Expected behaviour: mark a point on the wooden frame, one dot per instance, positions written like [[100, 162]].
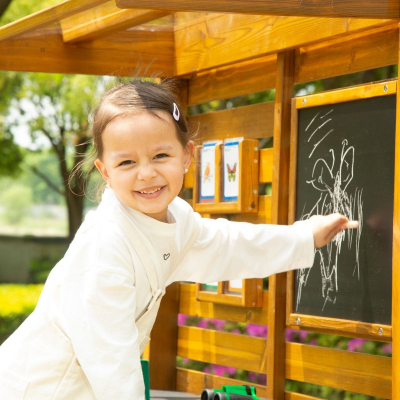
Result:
[[247, 179], [323, 324]]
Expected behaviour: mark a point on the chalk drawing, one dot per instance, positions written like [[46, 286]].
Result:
[[331, 178]]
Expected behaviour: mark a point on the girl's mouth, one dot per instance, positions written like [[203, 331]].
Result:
[[150, 193]]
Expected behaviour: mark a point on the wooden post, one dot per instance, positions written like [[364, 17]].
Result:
[[164, 336], [280, 197], [396, 258]]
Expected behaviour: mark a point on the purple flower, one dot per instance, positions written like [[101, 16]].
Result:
[[203, 323], [182, 319], [355, 344], [313, 342], [236, 331], [290, 333], [217, 323], [303, 336], [257, 330], [387, 348]]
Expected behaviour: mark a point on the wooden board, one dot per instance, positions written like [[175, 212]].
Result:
[[104, 20], [122, 54], [251, 122], [238, 351], [46, 17], [356, 372], [343, 295], [322, 8], [235, 80], [188, 305], [227, 39]]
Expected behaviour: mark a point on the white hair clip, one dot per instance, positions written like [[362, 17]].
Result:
[[176, 112]]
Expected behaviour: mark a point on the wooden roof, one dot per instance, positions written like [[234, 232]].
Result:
[[181, 38]]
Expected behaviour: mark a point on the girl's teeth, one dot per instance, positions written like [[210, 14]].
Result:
[[152, 191]]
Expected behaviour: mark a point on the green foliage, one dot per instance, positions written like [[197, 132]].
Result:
[[21, 8], [16, 201], [10, 155], [17, 302], [39, 268]]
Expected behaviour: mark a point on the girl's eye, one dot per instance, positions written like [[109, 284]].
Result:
[[127, 162], [162, 155]]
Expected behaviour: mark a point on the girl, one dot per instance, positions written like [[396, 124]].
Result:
[[97, 308]]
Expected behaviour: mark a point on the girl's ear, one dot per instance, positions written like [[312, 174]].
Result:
[[102, 169], [189, 152]]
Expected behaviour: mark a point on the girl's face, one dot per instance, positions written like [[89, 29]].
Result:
[[144, 162]]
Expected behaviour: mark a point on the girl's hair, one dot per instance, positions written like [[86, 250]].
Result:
[[130, 98]]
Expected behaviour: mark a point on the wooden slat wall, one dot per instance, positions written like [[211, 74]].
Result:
[[355, 372]]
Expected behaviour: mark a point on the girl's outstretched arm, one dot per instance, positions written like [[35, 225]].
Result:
[[326, 227]]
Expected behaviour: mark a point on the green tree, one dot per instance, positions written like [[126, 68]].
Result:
[[56, 107]]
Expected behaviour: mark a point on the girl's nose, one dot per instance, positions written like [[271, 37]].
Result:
[[146, 172]]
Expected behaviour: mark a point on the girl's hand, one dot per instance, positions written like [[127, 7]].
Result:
[[326, 227]]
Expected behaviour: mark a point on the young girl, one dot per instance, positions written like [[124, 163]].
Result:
[[97, 308]]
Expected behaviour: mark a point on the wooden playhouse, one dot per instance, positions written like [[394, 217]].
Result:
[[221, 49]]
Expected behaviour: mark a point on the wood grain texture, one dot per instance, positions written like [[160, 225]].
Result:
[[280, 188], [46, 17], [251, 122], [188, 305], [396, 259], [263, 215], [367, 50], [238, 351], [190, 381], [342, 8], [119, 54], [222, 40], [356, 372], [104, 20], [235, 80], [297, 396]]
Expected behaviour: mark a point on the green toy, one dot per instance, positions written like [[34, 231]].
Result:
[[237, 392], [146, 377]]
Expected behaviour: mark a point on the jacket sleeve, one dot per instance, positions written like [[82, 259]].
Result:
[[99, 306], [226, 250]]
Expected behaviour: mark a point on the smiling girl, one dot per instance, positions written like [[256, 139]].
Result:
[[97, 308]]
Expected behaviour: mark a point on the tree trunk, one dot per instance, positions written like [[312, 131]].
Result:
[[75, 212]]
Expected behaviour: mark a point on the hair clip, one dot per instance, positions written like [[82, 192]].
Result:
[[176, 112]]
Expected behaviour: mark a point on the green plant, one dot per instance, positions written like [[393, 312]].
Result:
[[16, 201], [39, 268]]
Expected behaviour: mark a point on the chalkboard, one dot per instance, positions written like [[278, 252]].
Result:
[[345, 163]]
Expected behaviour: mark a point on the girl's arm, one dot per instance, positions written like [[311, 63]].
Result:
[[98, 307], [224, 250]]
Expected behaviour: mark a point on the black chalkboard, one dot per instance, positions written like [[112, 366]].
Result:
[[345, 163]]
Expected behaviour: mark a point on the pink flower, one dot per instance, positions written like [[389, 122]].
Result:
[[257, 330], [387, 348], [203, 323], [355, 344], [182, 319], [236, 331]]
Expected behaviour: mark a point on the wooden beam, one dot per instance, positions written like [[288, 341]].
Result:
[[104, 20], [396, 256], [253, 122], [227, 39], [46, 17], [122, 54], [280, 202], [320, 8]]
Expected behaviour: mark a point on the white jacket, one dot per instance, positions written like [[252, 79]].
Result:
[[84, 339]]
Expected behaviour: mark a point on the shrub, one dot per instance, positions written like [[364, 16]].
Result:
[[17, 302]]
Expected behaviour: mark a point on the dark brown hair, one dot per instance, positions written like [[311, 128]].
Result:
[[130, 98]]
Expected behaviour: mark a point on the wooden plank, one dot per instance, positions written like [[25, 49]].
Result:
[[356, 372], [359, 52], [266, 163], [251, 122], [263, 215], [188, 305], [46, 17], [297, 396], [384, 88], [227, 39], [235, 80], [194, 382], [238, 351], [104, 20], [343, 8], [396, 259], [280, 201], [121, 54]]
